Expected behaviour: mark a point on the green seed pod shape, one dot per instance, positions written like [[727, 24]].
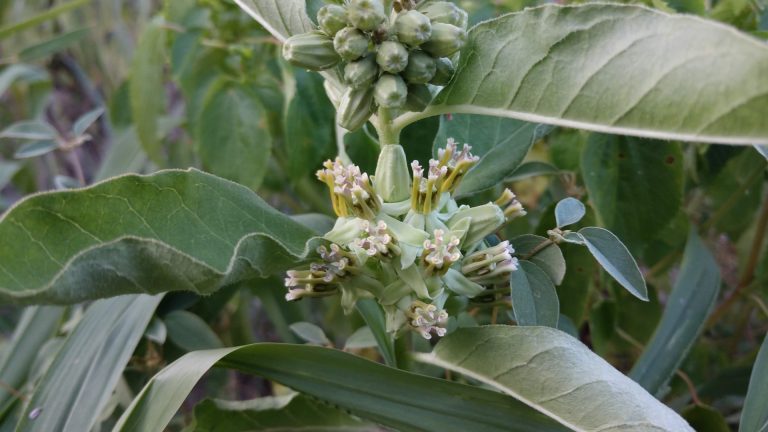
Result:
[[446, 13], [390, 91], [366, 15], [421, 68], [413, 28], [361, 73], [392, 180], [350, 43], [446, 39], [332, 18], [444, 72], [392, 57], [418, 98], [313, 51], [355, 108]]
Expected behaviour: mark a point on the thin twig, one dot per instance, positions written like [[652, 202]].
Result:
[[691, 387]]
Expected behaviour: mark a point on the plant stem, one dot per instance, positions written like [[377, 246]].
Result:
[[388, 132]]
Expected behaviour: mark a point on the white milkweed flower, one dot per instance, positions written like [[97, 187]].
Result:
[[440, 253], [490, 265], [427, 318]]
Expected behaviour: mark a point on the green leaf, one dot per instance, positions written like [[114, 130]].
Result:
[[20, 71], [361, 338], [569, 211], [7, 171], [555, 374], [86, 120], [35, 149], [292, 413], [614, 257], [147, 88], [754, 416], [125, 155], [534, 298], [542, 252], [704, 418], [56, 44], [571, 66], [81, 379], [374, 316], [310, 124], [693, 296], [532, 169], [40, 18], [232, 136], [31, 130], [500, 142], [613, 168], [763, 150], [398, 399], [189, 332], [37, 325], [310, 333], [177, 230], [282, 18]]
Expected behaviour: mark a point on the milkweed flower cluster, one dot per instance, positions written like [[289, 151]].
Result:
[[404, 241]]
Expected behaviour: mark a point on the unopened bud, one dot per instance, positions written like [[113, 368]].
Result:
[[512, 207], [390, 91], [392, 57], [355, 108], [446, 39], [444, 71], [361, 73], [446, 13], [421, 68], [350, 43], [313, 51], [413, 28], [366, 15], [392, 181], [332, 18], [483, 220], [418, 98]]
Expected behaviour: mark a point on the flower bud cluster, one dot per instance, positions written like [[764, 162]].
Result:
[[387, 58], [409, 255]]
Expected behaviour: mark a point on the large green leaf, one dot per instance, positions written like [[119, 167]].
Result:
[[614, 166], [692, 299], [754, 416], [292, 413], [233, 140], [282, 18], [395, 398], [36, 326], [174, 230], [555, 374], [621, 69], [82, 377], [501, 143]]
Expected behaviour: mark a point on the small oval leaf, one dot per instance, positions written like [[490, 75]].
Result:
[[310, 333], [569, 211], [32, 130], [615, 258], [86, 120], [35, 148], [534, 298], [190, 332]]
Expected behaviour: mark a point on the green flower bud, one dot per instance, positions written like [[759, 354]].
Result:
[[366, 15], [350, 43], [332, 18], [356, 108], [443, 72], [392, 57], [484, 220], [446, 39], [413, 28], [392, 181], [421, 68], [361, 73], [446, 13], [390, 91], [313, 51], [418, 98]]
